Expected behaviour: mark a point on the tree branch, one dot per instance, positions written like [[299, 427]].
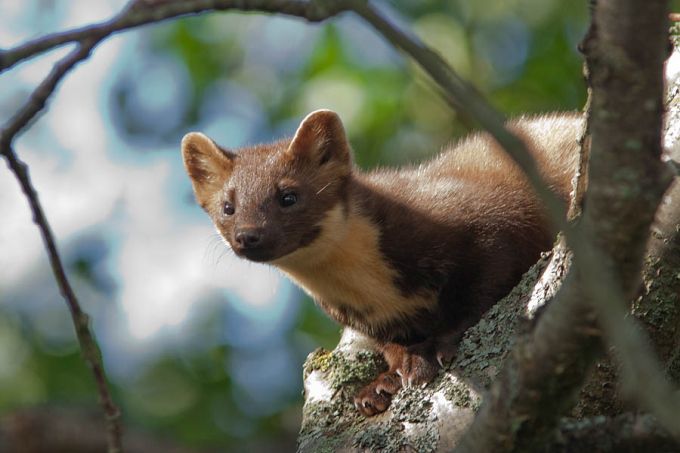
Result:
[[143, 12], [626, 432], [600, 286], [628, 178], [38, 98], [88, 344], [626, 205]]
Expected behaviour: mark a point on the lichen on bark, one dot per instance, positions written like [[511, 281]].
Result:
[[434, 418], [426, 419]]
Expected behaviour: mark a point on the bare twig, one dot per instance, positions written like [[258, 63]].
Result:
[[88, 344], [38, 98], [143, 12], [462, 96], [580, 181]]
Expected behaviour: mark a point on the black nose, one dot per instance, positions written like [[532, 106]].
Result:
[[249, 238]]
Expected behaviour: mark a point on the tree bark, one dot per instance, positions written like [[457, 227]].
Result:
[[436, 417]]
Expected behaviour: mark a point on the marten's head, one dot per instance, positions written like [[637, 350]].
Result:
[[271, 200]]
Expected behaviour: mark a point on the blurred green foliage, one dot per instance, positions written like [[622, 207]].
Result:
[[521, 54]]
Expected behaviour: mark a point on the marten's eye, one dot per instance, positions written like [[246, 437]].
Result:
[[288, 199], [228, 208]]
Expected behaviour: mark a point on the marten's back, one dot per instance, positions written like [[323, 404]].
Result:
[[485, 184], [466, 223], [551, 139]]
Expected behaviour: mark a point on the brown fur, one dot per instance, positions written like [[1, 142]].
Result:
[[411, 256]]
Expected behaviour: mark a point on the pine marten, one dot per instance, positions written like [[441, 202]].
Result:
[[410, 257]]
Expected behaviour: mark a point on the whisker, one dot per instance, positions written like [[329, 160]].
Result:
[[225, 251], [215, 250], [324, 187]]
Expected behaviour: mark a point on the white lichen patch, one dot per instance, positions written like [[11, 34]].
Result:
[[317, 389], [547, 285], [353, 342], [451, 420]]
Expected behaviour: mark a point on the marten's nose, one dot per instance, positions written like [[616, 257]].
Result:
[[249, 238]]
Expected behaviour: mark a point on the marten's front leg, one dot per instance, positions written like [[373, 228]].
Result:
[[415, 364]]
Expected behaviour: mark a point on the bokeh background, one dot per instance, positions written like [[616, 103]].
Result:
[[202, 348]]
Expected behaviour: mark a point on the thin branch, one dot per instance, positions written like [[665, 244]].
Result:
[[38, 98], [580, 181], [88, 344], [143, 12], [463, 97]]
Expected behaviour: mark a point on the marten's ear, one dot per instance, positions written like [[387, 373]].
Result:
[[208, 165], [321, 138]]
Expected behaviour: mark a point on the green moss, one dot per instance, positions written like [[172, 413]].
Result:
[[479, 355], [328, 426], [342, 370], [321, 359], [321, 428]]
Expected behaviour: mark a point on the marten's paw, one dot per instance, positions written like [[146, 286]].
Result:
[[408, 366], [447, 349], [418, 365], [375, 398]]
